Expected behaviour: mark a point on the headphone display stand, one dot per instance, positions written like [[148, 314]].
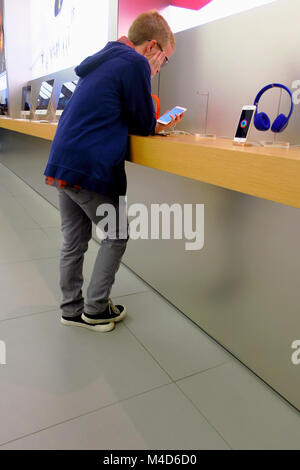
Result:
[[275, 144], [203, 98]]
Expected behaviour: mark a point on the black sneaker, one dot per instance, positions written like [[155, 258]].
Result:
[[78, 321], [112, 313]]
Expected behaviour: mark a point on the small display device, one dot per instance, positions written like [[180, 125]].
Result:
[[26, 99], [66, 93], [244, 125], [44, 97], [166, 118]]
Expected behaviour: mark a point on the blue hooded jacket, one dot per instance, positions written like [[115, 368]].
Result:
[[112, 99]]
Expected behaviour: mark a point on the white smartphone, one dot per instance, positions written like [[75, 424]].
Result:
[[245, 122], [166, 118]]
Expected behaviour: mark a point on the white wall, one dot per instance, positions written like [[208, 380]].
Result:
[[233, 59], [17, 50]]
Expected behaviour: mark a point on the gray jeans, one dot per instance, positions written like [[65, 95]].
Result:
[[78, 211]]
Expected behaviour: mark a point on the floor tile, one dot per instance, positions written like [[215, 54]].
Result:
[[4, 193], [246, 412], [55, 372], [15, 186], [12, 183], [40, 210], [174, 340], [24, 244], [12, 213], [29, 287], [162, 419], [35, 206]]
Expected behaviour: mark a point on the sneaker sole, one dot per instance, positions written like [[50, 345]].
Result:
[[98, 328], [98, 322]]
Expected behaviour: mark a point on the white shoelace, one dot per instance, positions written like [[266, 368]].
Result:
[[113, 308]]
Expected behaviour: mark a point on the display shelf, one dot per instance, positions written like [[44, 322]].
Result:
[[267, 173]]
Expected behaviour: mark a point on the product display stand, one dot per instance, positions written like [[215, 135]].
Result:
[[275, 144], [243, 144], [25, 115], [203, 108]]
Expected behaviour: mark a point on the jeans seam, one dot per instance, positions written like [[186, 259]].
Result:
[[82, 254]]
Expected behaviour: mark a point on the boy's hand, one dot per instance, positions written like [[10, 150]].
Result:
[[162, 127], [155, 61]]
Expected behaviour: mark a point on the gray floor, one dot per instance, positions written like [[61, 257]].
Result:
[[155, 382]]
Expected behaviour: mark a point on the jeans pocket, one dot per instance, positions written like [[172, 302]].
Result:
[[81, 196]]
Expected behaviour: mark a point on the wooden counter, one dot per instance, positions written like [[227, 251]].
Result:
[[268, 173], [33, 128]]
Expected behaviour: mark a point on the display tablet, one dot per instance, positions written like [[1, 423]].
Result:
[[44, 97], [66, 93], [26, 99]]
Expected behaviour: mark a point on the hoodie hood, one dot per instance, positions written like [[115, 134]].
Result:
[[111, 50]]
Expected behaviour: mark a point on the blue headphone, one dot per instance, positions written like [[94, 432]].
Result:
[[262, 121]]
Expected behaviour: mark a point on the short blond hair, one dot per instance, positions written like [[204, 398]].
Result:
[[151, 25]]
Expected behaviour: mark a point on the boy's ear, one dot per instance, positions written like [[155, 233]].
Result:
[[150, 45]]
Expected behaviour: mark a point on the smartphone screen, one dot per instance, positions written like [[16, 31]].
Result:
[[165, 119], [244, 124]]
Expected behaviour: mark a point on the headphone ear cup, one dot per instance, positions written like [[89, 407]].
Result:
[[262, 122], [280, 123]]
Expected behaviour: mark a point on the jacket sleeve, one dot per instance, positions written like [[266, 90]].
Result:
[[137, 100]]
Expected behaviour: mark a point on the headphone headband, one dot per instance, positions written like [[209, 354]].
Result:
[[275, 85]]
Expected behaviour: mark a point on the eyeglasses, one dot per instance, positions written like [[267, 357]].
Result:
[[166, 60]]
